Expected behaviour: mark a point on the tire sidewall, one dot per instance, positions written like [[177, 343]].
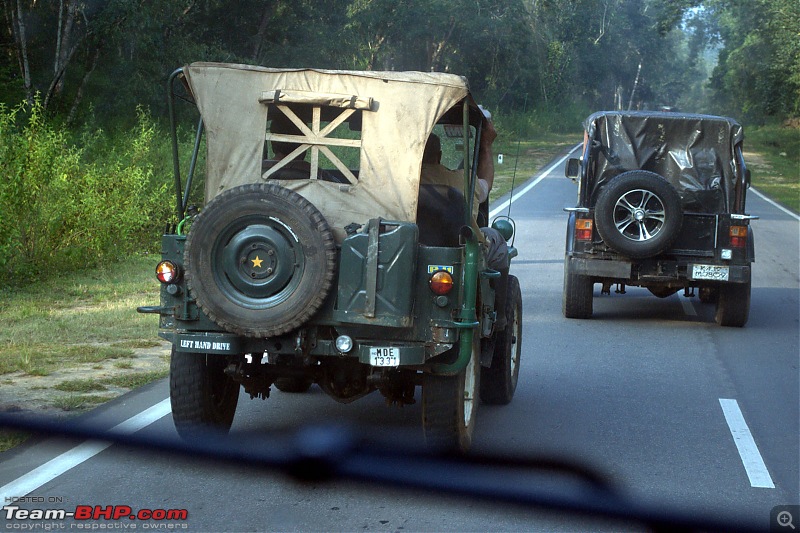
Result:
[[499, 381], [302, 233]]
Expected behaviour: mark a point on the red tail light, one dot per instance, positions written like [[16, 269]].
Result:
[[583, 229], [738, 236], [441, 282]]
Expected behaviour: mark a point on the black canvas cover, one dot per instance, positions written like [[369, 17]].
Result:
[[697, 154]]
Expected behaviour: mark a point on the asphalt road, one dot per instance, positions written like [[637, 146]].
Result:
[[671, 408]]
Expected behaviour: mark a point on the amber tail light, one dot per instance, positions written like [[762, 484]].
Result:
[[168, 272], [738, 235], [441, 282], [583, 229]]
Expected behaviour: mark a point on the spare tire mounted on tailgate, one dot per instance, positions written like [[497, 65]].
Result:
[[638, 214], [260, 260]]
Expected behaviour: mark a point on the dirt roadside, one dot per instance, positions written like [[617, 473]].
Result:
[[39, 395]]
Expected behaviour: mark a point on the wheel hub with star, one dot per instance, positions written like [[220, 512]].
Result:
[[259, 261]]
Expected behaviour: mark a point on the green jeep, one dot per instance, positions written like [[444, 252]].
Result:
[[318, 257]]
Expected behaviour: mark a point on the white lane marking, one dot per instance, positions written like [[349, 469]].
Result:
[[772, 202], [688, 308], [37, 477], [748, 451], [494, 212]]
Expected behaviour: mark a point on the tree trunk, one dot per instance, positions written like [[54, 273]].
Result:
[[58, 34], [374, 49], [63, 49], [18, 26], [635, 85], [79, 96], [436, 49], [58, 76], [262, 30]]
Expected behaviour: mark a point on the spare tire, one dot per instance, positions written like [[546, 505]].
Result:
[[260, 260], [662, 292], [638, 214]]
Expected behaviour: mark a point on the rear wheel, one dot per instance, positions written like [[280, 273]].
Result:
[[202, 397], [449, 404], [576, 298], [499, 381], [733, 304]]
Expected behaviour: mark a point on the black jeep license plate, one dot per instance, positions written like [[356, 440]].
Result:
[[712, 272]]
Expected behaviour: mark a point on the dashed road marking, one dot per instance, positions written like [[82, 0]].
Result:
[[748, 451]]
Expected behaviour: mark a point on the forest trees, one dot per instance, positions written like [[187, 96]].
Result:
[[105, 57], [82, 83], [58, 44], [758, 72]]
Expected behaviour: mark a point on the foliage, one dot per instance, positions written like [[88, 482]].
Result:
[[776, 168], [535, 123], [85, 168], [86, 61], [758, 71], [61, 211]]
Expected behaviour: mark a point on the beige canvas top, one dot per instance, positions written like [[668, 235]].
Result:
[[398, 112]]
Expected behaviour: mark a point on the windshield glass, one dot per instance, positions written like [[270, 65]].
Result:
[[226, 215]]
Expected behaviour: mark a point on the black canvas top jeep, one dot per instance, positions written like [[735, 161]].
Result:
[[318, 257], [661, 205]]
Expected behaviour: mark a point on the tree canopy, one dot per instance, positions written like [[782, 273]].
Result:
[[96, 59]]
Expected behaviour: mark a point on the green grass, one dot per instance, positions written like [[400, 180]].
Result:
[[136, 379], [80, 385], [76, 402], [129, 381], [86, 317], [776, 168], [522, 159], [9, 439]]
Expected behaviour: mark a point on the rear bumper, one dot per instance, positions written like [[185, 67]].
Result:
[[660, 271], [220, 343]]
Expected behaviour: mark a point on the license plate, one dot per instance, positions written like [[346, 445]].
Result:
[[384, 356], [712, 272]]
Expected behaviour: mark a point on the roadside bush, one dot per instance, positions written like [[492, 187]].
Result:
[[38, 169], [62, 212], [534, 123]]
